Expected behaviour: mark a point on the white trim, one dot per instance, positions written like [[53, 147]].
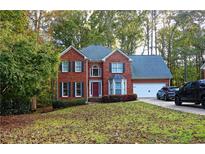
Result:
[[80, 65], [62, 89], [62, 70], [116, 50], [99, 71], [68, 49], [117, 64], [90, 84], [123, 87]]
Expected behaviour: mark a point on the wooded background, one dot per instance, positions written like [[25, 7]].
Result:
[[30, 42]]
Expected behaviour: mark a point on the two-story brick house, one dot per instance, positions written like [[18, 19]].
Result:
[[96, 71]]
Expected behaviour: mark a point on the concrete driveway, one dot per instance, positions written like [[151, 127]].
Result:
[[186, 107]]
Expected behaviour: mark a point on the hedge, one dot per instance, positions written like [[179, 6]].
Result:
[[68, 103], [118, 98], [18, 106]]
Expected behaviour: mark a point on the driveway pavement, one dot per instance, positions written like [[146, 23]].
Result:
[[186, 107]]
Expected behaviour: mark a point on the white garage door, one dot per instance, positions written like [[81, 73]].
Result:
[[147, 89]]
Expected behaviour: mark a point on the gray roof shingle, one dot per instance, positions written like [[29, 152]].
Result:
[[149, 67], [96, 52]]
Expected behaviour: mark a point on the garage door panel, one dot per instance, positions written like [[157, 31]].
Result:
[[147, 89]]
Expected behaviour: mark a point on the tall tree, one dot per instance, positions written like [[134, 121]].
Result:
[[70, 28], [129, 30]]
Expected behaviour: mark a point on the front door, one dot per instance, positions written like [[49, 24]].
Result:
[[95, 89]]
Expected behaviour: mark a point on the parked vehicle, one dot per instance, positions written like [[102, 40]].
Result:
[[167, 93], [191, 92]]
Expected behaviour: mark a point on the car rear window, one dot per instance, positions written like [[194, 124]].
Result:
[[173, 88]]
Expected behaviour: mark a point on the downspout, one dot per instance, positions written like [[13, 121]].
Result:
[[87, 81]]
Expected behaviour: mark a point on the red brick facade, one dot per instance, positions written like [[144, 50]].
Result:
[[72, 55], [84, 77], [117, 57]]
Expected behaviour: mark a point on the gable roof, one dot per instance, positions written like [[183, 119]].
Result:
[[203, 67], [68, 49], [96, 52], [117, 50], [149, 67]]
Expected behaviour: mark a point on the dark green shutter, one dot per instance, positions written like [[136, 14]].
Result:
[[68, 66], [82, 89], [110, 67], [61, 89], [68, 88], [74, 89], [82, 65], [73, 66], [123, 67]]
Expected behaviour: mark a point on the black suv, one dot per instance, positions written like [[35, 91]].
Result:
[[191, 92]]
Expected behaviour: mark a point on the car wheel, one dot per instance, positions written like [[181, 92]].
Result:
[[158, 97], [177, 101]]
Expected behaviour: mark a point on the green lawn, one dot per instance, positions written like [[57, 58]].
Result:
[[133, 122]]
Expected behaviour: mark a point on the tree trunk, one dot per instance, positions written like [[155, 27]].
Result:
[[33, 103]]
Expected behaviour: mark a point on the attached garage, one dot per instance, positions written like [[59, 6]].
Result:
[[149, 74], [147, 89]]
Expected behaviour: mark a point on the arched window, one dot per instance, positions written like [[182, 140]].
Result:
[[95, 71]]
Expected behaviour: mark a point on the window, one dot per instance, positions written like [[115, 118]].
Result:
[[95, 71], [117, 67], [187, 86], [78, 89], [78, 66], [117, 87], [64, 89], [64, 66]]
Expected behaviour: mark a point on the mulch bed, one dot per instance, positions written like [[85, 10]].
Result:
[[16, 121]]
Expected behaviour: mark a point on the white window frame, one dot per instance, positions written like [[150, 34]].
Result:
[[123, 87], [99, 71], [62, 90], [90, 85], [63, 65], [76, 95], [77, 64], [117, 67]]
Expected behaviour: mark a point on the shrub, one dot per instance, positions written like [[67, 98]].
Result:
[[17, 106], [68, 103], [118, 98]]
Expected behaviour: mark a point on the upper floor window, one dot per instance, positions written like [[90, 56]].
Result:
[[78, 66], [65, 66], [117, 67], [95, 71]]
